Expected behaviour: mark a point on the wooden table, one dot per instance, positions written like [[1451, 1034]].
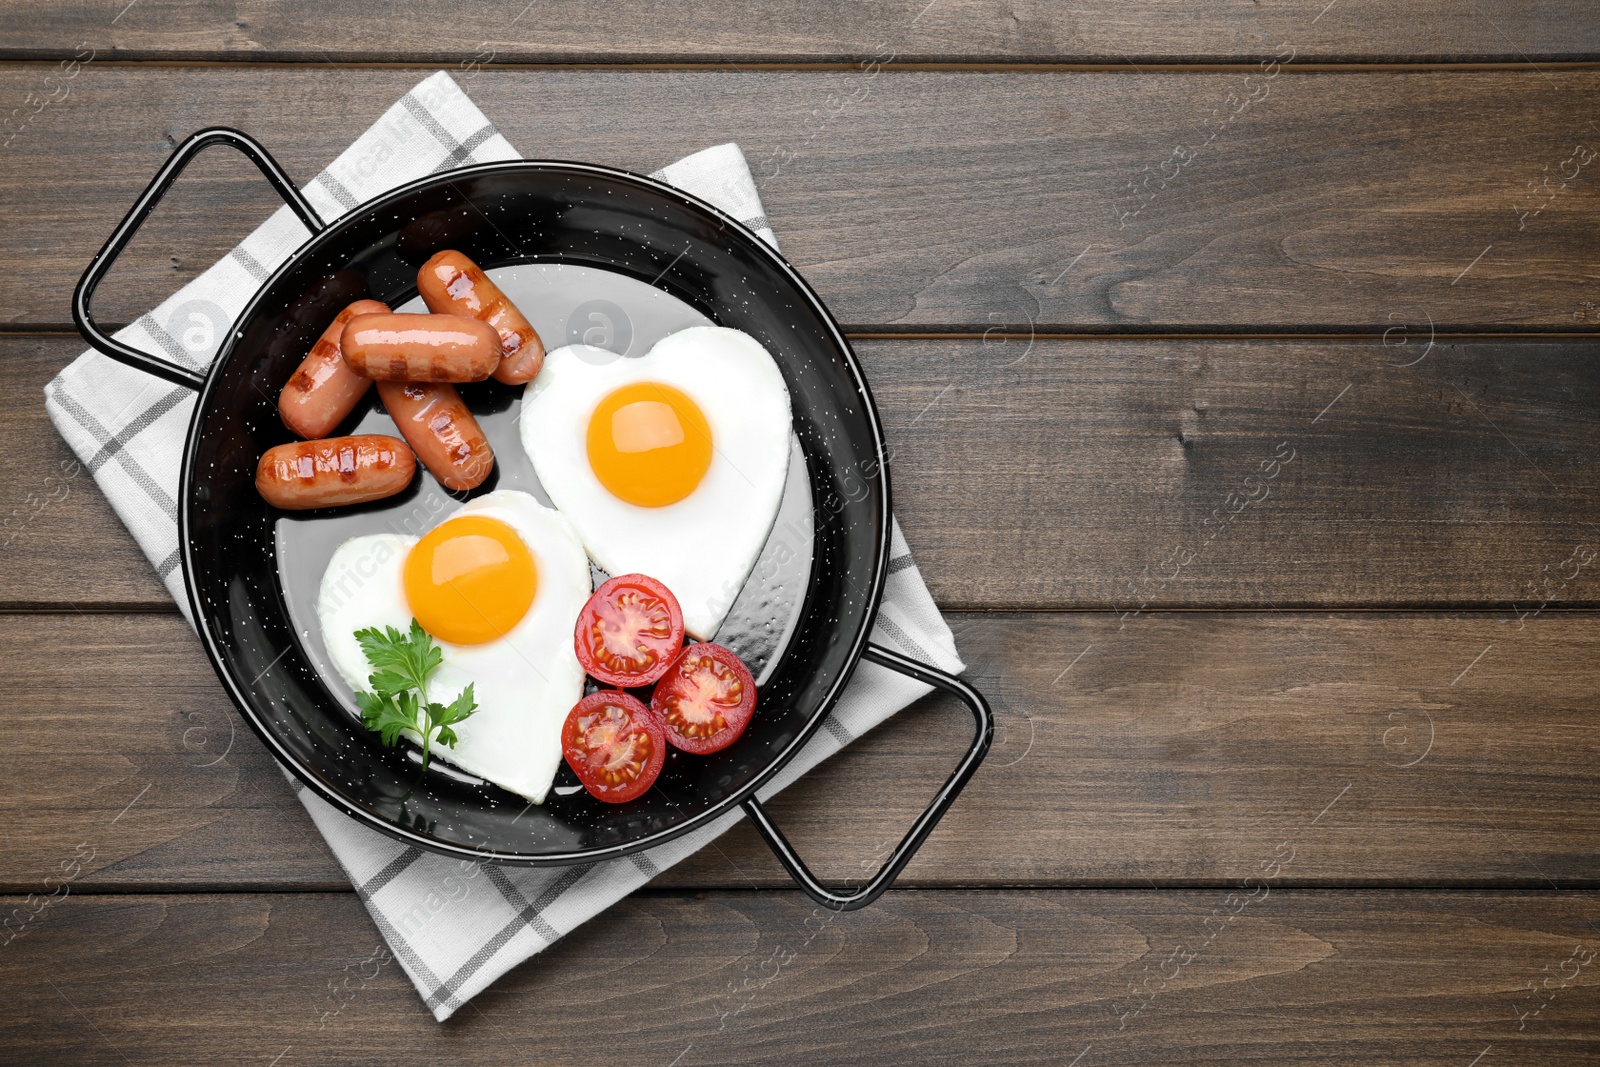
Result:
[[1238, 361]]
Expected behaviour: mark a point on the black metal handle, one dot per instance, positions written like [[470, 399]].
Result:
[[101, 264], [984, 733]]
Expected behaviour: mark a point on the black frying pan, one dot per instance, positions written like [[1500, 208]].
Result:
[[500, 214]]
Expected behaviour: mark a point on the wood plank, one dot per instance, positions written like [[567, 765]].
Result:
[[1104, 474], [1118, 474], [914, 31], [60, 541], [933, 200], [1168, 749], [1334, 977]]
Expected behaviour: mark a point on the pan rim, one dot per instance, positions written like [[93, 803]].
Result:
[[325, 790]]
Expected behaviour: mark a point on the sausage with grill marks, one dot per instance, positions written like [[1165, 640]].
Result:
[[450, 283], [333, 471], [420, 348], [324, 389], [446, 437]]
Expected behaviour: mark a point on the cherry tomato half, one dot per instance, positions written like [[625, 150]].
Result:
[[614, 744], [705, 699], [629, 631]]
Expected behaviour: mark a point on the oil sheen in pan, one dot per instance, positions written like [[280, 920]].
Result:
[[621, 318]]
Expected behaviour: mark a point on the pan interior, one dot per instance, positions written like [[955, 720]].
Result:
[[595, 244], [619, 318]]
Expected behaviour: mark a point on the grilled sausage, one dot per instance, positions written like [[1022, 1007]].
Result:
[[451, 284], [324, 390], [443, 432], [334, 471], [420, 348]]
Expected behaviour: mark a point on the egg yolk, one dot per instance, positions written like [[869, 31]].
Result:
[[470, 580], [649, 444]]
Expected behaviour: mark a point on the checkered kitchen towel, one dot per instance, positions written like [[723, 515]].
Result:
[[455, 926]]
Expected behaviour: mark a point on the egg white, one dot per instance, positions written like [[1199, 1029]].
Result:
[[524, 683], [704, 546]]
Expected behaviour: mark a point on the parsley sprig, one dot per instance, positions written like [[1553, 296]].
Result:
[[403, 663]]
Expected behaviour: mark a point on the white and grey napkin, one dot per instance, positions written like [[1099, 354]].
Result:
[[454, 925]]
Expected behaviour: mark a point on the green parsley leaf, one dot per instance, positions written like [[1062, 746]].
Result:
[[402, 665], [445, 717], [400, 662], [388, 715]]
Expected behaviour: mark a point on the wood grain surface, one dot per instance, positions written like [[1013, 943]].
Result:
[[790, 31], [1132, 977], [1187, 323], [1161, 749], [1104, 475], [931, 201]]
